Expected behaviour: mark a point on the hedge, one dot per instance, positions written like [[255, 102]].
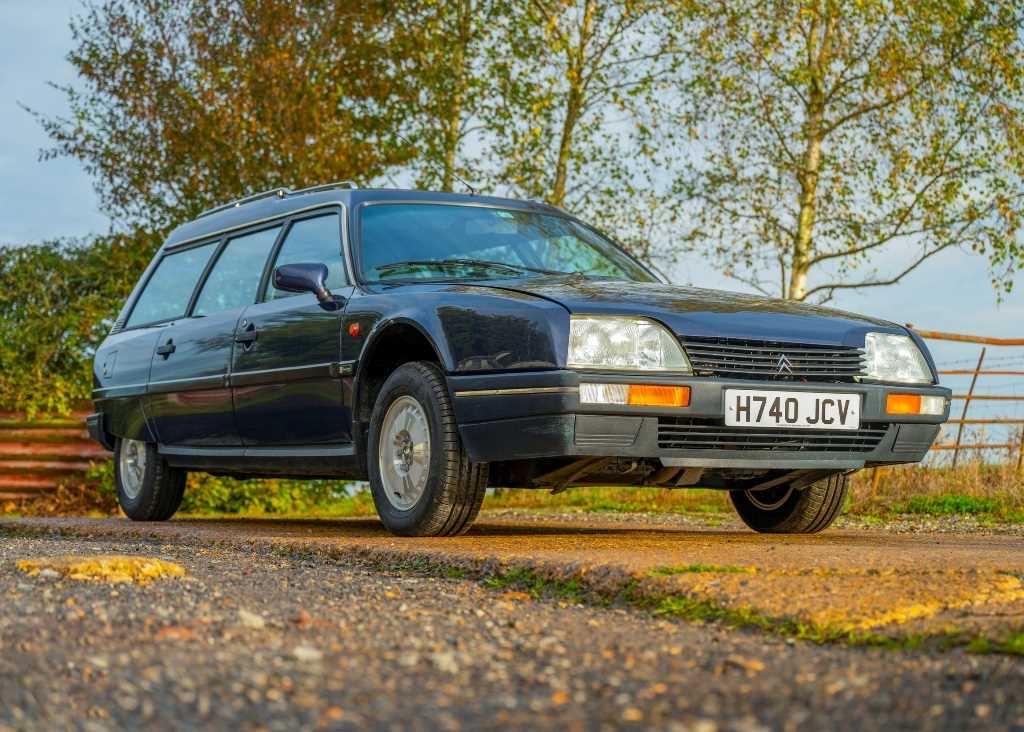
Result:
[[59, 300]]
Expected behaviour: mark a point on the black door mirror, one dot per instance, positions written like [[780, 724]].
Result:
[[304, 277]]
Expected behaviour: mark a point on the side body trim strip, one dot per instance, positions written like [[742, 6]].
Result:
[[521, 390], [283, 452]]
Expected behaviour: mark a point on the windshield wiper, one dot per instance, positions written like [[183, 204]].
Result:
[[448, 263]]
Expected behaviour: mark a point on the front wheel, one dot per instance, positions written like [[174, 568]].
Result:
[[148, 489], [784, 509], [422, 480]]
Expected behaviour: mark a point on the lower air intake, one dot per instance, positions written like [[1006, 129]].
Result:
[[678, 433]]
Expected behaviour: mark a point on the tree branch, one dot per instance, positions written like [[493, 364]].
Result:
[[928, 254]]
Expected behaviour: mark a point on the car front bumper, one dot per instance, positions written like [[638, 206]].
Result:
[[530, 415]]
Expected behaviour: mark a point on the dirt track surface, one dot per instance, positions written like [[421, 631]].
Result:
[[255, 639], [843, 580]]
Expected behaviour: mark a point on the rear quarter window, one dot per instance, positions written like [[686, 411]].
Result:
[[168, 291]]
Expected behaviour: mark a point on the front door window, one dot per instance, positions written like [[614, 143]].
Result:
[[315, 240]]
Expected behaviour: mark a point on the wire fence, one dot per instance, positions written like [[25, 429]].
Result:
[[1008, 443]]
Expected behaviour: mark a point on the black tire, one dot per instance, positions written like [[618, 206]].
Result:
[[455, 486], [161, 490], [782, 510]]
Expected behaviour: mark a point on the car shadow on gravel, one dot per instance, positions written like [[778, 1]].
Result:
[[372, 528]]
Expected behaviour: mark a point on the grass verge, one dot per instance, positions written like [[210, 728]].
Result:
[[985, 493], [700, 569], [566, 585]]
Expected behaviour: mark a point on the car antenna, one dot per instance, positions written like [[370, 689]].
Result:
[[463, 181]]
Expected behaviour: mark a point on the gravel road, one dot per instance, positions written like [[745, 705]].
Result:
[[253, 640]]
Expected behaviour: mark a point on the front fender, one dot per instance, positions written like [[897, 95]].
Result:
[[471, 328]]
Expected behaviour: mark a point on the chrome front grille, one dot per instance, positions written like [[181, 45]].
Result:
[[681, 433], [773, 360]]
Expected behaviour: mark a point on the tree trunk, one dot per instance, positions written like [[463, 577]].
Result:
[[802, 243], [576, 58], [810, 168], [452, 122], [557, 197]]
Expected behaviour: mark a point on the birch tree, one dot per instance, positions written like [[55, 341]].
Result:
[[580, 84], [840, 144], [446, 65]]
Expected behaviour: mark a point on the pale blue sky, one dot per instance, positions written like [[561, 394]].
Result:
[[44, 200]]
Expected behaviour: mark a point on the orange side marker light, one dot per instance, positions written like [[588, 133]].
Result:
[[903, 404], [655, 395]]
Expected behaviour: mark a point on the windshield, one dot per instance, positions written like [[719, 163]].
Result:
[[437, 241]]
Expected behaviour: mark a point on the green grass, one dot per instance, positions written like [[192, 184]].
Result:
[[688, 608], [695, 609], [989, 493], [614, 500], [948, 505], [535, 585], [1013, 645], [699, 569], [356, 505]]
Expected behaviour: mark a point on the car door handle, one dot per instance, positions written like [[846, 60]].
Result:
[[248, 336], [166, 349]]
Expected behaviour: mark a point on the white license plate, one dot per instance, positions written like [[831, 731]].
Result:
[[802, 410]]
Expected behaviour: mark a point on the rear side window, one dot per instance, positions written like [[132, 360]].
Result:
[[168, 291], [235, 278], [316, 240]]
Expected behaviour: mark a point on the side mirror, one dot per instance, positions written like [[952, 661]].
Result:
[[304, 277]]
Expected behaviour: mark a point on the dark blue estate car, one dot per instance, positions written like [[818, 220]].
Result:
[[436, 344]]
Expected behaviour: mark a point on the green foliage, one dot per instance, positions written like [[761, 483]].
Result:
[[948, 505], [207, 494], [447, 62], [580, 117], [1012, 645], [210, 494], [59, 301], [100, 477], [834, 133], [803, 140], [181, 105]]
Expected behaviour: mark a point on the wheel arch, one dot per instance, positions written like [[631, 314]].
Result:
[[390, 345]]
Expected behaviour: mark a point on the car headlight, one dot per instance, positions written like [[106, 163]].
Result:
[[627, 343], [895, 358]]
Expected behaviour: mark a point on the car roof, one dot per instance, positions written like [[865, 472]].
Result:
[[282, 202]]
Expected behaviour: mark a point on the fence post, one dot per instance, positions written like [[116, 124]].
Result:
[[967, 403], [876, 478], [1020, 450]]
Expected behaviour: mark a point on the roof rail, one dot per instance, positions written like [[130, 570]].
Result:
[[279, 193], [326, 187]]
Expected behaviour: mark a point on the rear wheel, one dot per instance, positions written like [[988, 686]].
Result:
[[422, 480], [784, 509], [148, 489]]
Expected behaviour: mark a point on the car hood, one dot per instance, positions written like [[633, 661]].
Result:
[[696, 312]]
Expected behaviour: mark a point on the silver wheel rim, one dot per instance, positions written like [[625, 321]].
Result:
[[762, 499], [132, 467], [404, 452]]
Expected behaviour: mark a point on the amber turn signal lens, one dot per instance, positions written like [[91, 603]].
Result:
[[903, 404], [651, 395]]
